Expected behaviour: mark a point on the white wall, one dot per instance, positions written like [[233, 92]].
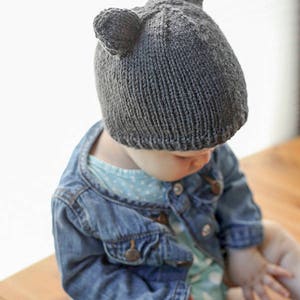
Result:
[[49, 100], [265, 38]]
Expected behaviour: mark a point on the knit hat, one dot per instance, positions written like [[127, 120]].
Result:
[[167, 78]]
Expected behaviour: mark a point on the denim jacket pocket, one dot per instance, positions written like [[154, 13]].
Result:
[[133, 250]]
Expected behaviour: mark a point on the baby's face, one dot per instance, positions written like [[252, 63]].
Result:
[[169, 165]]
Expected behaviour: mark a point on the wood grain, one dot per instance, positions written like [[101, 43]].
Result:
[[273, 175], [38, 282]]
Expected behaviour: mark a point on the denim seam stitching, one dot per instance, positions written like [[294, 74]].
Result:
[[136, 236], [60, 193]]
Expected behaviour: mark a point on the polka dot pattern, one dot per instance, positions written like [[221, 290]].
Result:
[[204, 276], [127, 183]]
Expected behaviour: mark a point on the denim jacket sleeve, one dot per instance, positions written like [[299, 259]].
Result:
[[84, 268], [237, 213]]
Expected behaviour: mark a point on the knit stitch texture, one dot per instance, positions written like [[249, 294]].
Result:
[[167, 78]]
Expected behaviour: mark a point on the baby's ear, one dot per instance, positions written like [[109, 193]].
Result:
[[197, 2], [117, 29]]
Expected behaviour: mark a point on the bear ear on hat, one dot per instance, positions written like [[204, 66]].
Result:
[[117, 29], [197, 2]]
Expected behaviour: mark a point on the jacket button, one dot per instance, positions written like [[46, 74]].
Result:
[[184, 263], [162, 219], [206, 230], [216, 187], [177, 188], [132, 254]]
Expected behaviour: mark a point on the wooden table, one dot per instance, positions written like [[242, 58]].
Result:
[[273, 175]]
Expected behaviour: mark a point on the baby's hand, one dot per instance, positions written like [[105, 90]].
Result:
[[248, 269]]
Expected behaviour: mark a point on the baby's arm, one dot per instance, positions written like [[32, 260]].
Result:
[[279, 247], [241, 227], [248, 269]]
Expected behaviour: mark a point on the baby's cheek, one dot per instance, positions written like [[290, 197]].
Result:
[[197, 165], [167, 172]]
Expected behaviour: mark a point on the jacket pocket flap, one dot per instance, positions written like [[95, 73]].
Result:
[[132, 250]]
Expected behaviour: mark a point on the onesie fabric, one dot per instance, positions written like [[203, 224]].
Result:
[[205, 275]]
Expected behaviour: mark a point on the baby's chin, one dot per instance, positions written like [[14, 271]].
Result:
[[173, 176], [170, 177], [180, 177]]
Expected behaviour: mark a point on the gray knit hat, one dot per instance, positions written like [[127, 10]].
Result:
[[167, 78]]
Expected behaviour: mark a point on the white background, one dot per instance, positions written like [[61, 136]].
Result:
[[48, 99]]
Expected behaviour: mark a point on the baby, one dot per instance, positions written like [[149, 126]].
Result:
[[152, 204]]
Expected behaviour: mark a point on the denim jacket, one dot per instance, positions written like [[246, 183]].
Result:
[[109, 247]]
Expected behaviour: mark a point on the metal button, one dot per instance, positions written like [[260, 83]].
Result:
[[177, 188], [206, 230], [184, 263], [216, 187], [132, 254], [163, 219]]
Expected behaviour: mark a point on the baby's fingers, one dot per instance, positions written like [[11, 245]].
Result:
[[261, 292], [278, 271], [275, 285], [248, 293]]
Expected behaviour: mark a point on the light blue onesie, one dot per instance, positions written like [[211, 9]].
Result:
[[205, 275]]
